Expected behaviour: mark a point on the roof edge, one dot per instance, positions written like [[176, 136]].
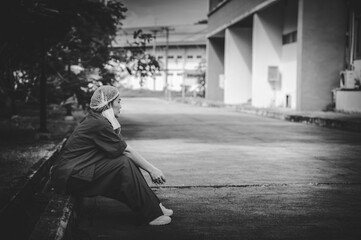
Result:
[[241, 17]]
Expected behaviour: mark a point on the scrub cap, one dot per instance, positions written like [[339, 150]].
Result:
[[102, 96]]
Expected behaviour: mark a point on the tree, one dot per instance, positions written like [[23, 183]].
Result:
[[146, 66], [139, 62], [24, 42], [87, 45], [50, 35]]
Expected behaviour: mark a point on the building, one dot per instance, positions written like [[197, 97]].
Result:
[[284, 53], [182, 55]]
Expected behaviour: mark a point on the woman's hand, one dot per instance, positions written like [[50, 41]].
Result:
[[157, 176]]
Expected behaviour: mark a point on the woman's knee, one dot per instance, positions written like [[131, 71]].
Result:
[[123, 164], [125, 160]]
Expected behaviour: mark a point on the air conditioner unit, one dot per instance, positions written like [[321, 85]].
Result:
[[347, 79], [273, 74]]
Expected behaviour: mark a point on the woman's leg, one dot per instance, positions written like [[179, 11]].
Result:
[[120, 179]]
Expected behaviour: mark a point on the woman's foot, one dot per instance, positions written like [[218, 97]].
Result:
[[166, 211], [162, 220]]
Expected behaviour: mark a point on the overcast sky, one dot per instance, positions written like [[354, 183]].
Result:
[[143, 13]]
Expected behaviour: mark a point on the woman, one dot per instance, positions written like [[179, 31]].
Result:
[[97, 161]]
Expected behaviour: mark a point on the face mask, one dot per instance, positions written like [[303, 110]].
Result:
[[109, 114]]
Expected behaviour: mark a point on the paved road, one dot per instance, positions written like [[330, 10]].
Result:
[[237, 176]]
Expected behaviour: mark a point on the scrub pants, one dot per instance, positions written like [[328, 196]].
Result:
[[122, 180]]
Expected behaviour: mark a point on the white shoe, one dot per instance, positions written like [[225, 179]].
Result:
[[162, 220], [166, 211]]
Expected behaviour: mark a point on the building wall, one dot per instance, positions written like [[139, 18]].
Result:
[[238, 65], [215, 69], [357, 67], [290, 16], [267, 49], [180, 60], [288, 76], [309, 64], [348, 101], [214, 3], [321, 44], [229, 11], [289, 58]]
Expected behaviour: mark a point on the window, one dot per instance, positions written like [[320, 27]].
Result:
[[289, 38], [160, 57], [199, 56], [190, 57], [179, 57], [170, 57], [192, 75]]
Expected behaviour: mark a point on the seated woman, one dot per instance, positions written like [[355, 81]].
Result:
[[96, 161]]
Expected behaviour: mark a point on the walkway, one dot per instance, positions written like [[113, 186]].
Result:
[[232, 175]]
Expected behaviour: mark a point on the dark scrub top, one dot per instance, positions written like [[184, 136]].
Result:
[[92, 141]]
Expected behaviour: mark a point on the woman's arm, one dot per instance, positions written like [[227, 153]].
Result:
[[156, 174]]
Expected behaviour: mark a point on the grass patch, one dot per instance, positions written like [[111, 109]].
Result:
[[19, 147], [15, 163]]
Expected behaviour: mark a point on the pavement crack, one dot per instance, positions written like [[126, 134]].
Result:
[[258, 185]]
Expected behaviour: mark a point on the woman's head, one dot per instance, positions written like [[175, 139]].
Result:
[[105, 97]]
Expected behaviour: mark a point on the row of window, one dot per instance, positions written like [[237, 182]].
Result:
[[289, 38], [179, 74], [180, 57], [169, 74]]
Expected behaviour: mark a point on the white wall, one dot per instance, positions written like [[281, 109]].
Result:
[[288, 75], [215, 69], [176, 68], [357, 71], [289, 57], [159, 83], [238, 65], [348, 101], [267, 48]]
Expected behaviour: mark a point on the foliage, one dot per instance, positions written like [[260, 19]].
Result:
[[141, 38], [50, 37], [145, 65], [140, 63]]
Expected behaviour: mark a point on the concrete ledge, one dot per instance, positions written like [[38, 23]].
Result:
[[57, 221], [348, 101], [337, 120], [23, 210]]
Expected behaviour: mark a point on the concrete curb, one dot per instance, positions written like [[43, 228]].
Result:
[[57, 220], [20, 216], [349, 122]]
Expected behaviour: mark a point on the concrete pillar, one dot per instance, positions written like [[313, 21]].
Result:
[[321, 47], [215, 69], [288, 93], [267, 49], [238, 65]]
